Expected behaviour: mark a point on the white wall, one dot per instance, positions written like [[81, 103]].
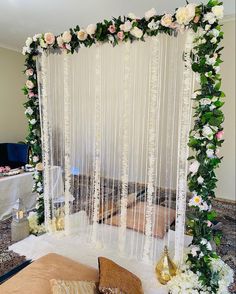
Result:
[[226, 172], [13, 125]]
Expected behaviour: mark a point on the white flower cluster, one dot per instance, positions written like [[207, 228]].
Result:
[[33, 224], [217, 12], [187, 282]]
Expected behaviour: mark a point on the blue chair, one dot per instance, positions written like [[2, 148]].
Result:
[[14, 154]]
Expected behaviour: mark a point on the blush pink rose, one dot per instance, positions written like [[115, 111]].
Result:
[[7, 169], [209, 223], [29, 72], [112, 29], [196, 19], [120, 35], [220, 135], [31, 94], [49, 38]]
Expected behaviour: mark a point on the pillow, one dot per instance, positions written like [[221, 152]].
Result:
[[73, 287], [110, 207], [115, 279], [136, 219]]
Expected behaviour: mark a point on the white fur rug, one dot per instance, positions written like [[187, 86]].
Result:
[[77, 248]]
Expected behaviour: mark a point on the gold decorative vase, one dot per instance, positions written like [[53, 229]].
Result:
[[165, 268]]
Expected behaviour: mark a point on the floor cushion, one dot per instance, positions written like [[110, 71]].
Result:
[[136, 218], [36, 277]]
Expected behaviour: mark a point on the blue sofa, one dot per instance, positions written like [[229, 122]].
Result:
[[14, 154]]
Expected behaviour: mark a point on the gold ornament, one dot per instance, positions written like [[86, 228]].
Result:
[[165, 268]]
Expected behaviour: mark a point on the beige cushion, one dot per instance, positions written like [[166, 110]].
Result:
[[35, 278], [136, 218], [115, 279], [73, 287]]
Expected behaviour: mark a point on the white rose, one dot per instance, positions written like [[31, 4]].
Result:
[[210, 17], [49, 38], [166, 20], [32, 121], [209, 247], [37, 36], [82, 35], [28, 41], [136, 32], [154, 25], [212, 107], [29, 84], [60, 41], [29, 111], [194, 166], [35, 158], [194, 250], [39, 189], [207, 27], [150, 13], [214, 32], [126, 27], [218, 11], [185, 14], [132, 15], [111, 39], [211, 60], [66, 37], [91, 29], [205, 101], [207, 132], [200, 180], [210, 153], [214, 40]]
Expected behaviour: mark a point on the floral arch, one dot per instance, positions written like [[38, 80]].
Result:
[[205, 137]]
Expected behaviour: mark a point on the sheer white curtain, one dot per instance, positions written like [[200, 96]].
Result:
[[115, 125]]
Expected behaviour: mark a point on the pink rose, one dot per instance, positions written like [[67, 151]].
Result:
[[31, 94], [29, 72], [1, 169], [209, 223], [174, 25], [112, 29], [120, 35], [220, 135], [7, 169], [196, 19], [49, 38]]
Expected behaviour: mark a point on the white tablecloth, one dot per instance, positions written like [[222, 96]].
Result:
[[14, 187]]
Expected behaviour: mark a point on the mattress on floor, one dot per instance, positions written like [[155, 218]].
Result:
[[35, 277]]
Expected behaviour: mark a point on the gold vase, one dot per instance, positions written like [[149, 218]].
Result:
[[165, 268]]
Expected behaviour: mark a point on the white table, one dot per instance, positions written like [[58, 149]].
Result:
[[14, 187]]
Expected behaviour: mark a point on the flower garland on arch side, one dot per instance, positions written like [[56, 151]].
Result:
[[206, 136]]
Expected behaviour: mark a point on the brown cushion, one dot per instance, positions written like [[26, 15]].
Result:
[[36, 277], [136, 218], [110, 207], [73, 287], [115, 279]]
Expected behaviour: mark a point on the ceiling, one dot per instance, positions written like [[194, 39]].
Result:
[[22, 18]]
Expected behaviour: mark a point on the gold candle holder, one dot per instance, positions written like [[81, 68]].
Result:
[[165, 268]]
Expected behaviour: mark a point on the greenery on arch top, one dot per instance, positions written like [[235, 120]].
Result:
[[206, 137]]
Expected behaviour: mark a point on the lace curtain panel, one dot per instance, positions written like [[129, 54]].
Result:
[[115, 124]]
